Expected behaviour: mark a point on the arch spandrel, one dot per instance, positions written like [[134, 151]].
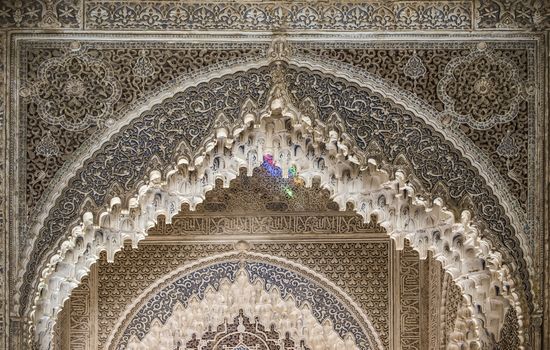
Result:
[[95, 174]]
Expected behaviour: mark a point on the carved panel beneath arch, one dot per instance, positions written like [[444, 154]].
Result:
[[361, 269], [74, 329], [509, 338]]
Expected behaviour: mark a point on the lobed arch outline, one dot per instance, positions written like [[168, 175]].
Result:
[[297, 139], [279, 51], [241, 253]]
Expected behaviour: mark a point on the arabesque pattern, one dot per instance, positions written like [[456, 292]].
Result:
[[319, 147], [273, 295]]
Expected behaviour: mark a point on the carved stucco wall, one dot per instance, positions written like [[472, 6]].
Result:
[[353, 266], [36, 93], [455, 192], [363, 269], [356, 267], [264, 15], [136, 269], [131, 68], [253, 207]]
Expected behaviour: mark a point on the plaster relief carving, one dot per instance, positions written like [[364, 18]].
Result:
[[296, 302], [481, 89], [317, 150], [348, 265], [259, 15], [414, 68], [252, 309], [75, 91], [447, 168]]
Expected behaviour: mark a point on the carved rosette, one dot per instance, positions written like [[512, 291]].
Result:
[[75, 91], [481, 90]]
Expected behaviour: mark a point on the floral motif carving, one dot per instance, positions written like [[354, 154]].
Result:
[[414, 68], [513, 14], [481, 89], [75, 91], [261, 15], [47, 146], [507, 147], [143, 67], [40, 13]]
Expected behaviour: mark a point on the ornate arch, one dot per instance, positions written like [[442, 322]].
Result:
[[218, 282], [281, 51], [302, 132]]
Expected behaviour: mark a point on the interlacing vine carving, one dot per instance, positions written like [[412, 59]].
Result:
[[48, 152], [302, 308], [314, 139], [385, 60]]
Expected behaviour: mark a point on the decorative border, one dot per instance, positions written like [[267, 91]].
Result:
[[4, 232], [279, 15], [41, 14], [376, 15]]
